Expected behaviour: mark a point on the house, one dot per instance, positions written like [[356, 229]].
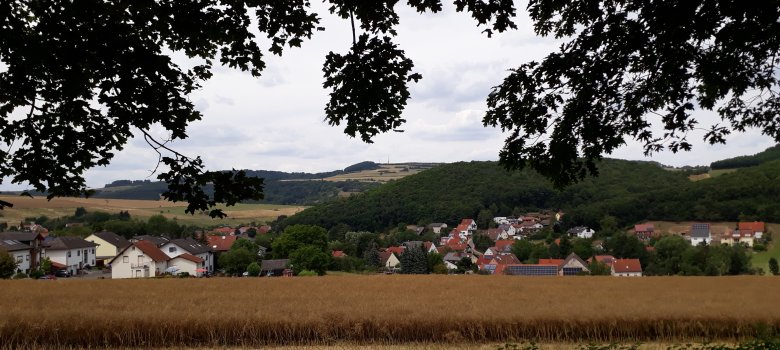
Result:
[[140, 259], [604, 259], [509, 229], [757, 227], [644, 231], [220, 244], [436, 227], [20, 252], [187, 263], [504, 245], [581, 232], [398, 250], [469, 224], [275, 268], [32, 239], [501, 220], [700, 233], [429, 247], [627, 268], [75, 253], [191, 246], [737, 236], [496, 234], [389, 260], [572, 265], [109, 244]]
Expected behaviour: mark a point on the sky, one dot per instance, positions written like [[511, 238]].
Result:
[[276, 122]]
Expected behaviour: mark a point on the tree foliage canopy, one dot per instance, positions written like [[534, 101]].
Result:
[[77, 79]]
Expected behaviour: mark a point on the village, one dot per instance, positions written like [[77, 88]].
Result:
[[109, 255]]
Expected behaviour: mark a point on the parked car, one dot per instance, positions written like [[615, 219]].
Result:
[[48, 277], [62, 273]]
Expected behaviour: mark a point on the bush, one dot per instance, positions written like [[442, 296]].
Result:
[[20, 275], [307, 273], [36, 274], [253, 269], [184, 274], [758, 247]]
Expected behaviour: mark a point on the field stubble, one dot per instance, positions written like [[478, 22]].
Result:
[[384, 310]]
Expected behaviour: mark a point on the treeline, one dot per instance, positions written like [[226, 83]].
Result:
[[279, 189], [308, 192], [628, 190], [83, 223], [770, 154]]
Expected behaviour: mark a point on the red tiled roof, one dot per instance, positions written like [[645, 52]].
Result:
[[190, 257], [151, 250], [221, 243], [428, 245], [396, 250], [504, 245], [644, 228], [756, 226], [263, 229], [384, 256], [338, 254], [442, 250], [457, 246], [466, 222], [556, 262], [462, 228], [57, 265], [503, 259], [627, 265]]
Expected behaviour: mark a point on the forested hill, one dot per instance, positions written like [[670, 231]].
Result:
[[768, 155], [631, 191]]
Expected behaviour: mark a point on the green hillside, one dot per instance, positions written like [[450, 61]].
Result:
[[768, 155], [631, 191]]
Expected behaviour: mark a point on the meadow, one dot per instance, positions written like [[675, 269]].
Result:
[[385, 310], [241, 213]]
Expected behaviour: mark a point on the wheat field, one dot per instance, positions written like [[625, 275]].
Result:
[[384, 310]]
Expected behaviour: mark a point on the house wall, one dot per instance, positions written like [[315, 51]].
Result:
[[104, 249], [697, 240], [123, 268], [392, 262], [628, 274], [185, 265], [22, 260]]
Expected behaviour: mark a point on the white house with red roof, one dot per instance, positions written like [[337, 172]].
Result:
[[138, 260], [389, 260], [627, 268], [758, 228], [188, 263]]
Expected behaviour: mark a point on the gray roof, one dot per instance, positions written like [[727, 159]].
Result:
[[156, 240], [438, 224], [700, 230], [114, 239], [12, 246], [277, 264], [191, 246], [413, 244], [453, 256], [67, 242], [19, 236]]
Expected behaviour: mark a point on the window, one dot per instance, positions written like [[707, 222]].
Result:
[[27, 257], [19, 259], [171, 249], [125, 259], [93, 250], [69, 254]]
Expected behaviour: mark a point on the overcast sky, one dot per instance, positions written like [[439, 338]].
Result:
[[275, 122]]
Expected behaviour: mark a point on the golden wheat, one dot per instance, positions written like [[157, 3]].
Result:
[[383, 310]]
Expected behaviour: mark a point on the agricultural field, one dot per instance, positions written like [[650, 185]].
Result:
[[711, 174], [386, 172], [58, 207], [381, 310]]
